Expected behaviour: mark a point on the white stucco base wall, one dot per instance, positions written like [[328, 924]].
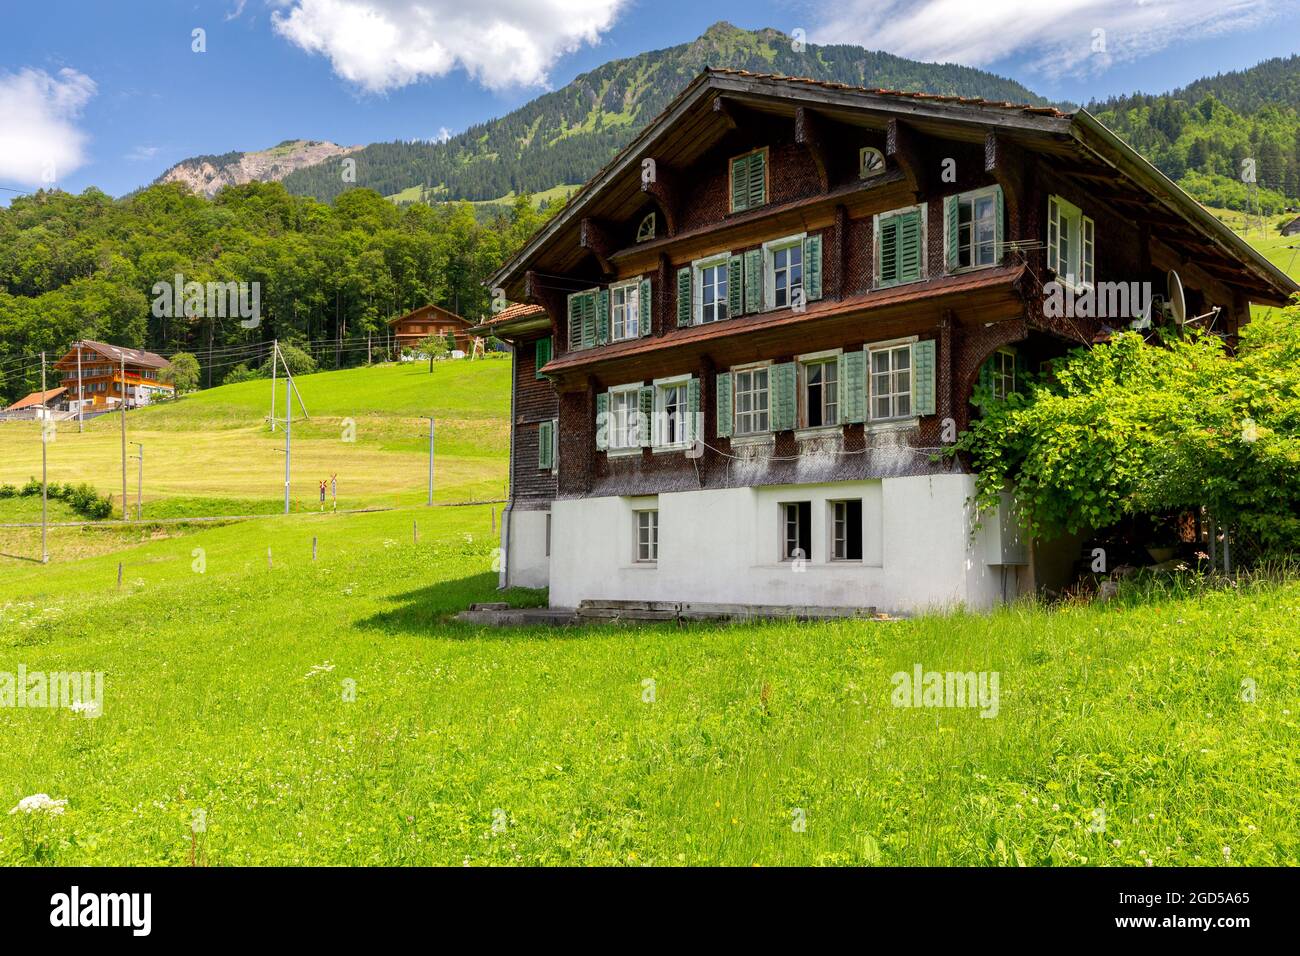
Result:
[[723, 546], [523, 535]]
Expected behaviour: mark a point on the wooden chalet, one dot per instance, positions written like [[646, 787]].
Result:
[[743, 344], [98, 376], [409, 330]]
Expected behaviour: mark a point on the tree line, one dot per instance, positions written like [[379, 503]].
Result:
[[86, 267]]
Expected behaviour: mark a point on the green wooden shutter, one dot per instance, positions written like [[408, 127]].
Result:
[[575, 321], [587, 308], [602, 317], [753, 280], [812, 268], [952, 218], [923, 377], [887, 251], [853, 387], [999, 227], [545, 444], [541, 355], [692, 411], [684, 296], [740, 183], [735, 301], [1053, 234], [646, 415], [602, 421], [724, 404], [757, 180], [781, 382], [645, 307], [910, 253]]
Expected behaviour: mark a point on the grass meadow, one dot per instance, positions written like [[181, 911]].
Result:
[[262, 707]]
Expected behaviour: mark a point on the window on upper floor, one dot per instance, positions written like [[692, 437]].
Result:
[[1070, 243], [624, 417], [711, 278], [819, 376], [751, 400], [671, 414], [625, 311], [783, 265], [646, 230], [974, 228], [891, 381], [871, 162], [749, 180], [900, 246]]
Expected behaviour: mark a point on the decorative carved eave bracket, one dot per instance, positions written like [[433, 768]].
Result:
[[660, 182], [901, 147], [808, 133]]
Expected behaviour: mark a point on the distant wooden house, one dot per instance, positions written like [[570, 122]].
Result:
[[98, 375], [407, 331], [1292, 228]]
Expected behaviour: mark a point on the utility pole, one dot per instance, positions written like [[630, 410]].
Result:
[[430, 462], [288, 437], [45, 485], [126, 515], [139, 481], [81, 420], [275, 356]]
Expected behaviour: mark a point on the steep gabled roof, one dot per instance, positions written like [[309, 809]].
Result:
[[443, 312], [117, 354], [1077, 142]]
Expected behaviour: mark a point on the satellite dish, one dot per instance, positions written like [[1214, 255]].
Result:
[[1176, 302]]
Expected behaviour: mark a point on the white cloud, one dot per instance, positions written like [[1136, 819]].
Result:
[[384, 44], [39, 140], [141, 153], [1062, 37]]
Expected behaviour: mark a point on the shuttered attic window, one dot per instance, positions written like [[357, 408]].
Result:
[[900, 246], [749, 180]]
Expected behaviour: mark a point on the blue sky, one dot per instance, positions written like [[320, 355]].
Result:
[[111, 94]]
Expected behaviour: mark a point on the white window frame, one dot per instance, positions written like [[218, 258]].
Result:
[[632, 389], [1000, 377], [833, 531], [880, 217], [990, 193], [631, 299], [661, 386], [828, 357], [736, 372], [784, 539], [1077, 233], [891, 346], [722, 259], [770, 249], [652, 536]]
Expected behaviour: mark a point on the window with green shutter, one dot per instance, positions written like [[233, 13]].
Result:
[[602, 317], [812, 257], [545, 445], [645, 307], [923, 377], [724, 404], [684, 296], [900, 246], [693, 431], [784, 397], [753, 280], [646, 415], [973, 226], [735, 300], [749, 181], [853, 387], [541, 355]]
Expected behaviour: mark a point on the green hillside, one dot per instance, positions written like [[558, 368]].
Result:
[[567, 135]]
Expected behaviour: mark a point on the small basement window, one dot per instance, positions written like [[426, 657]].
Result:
[[846, 530], [796, 530]]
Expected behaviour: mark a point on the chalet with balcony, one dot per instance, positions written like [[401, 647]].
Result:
[[98, 376], [742, 349]]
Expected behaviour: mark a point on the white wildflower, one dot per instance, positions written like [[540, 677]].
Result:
[[39, 803]]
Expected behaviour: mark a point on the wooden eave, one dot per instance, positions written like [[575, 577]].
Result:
[[984, 296]]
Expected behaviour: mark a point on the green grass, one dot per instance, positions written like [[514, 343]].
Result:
[[224, 692], [212, 453]]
